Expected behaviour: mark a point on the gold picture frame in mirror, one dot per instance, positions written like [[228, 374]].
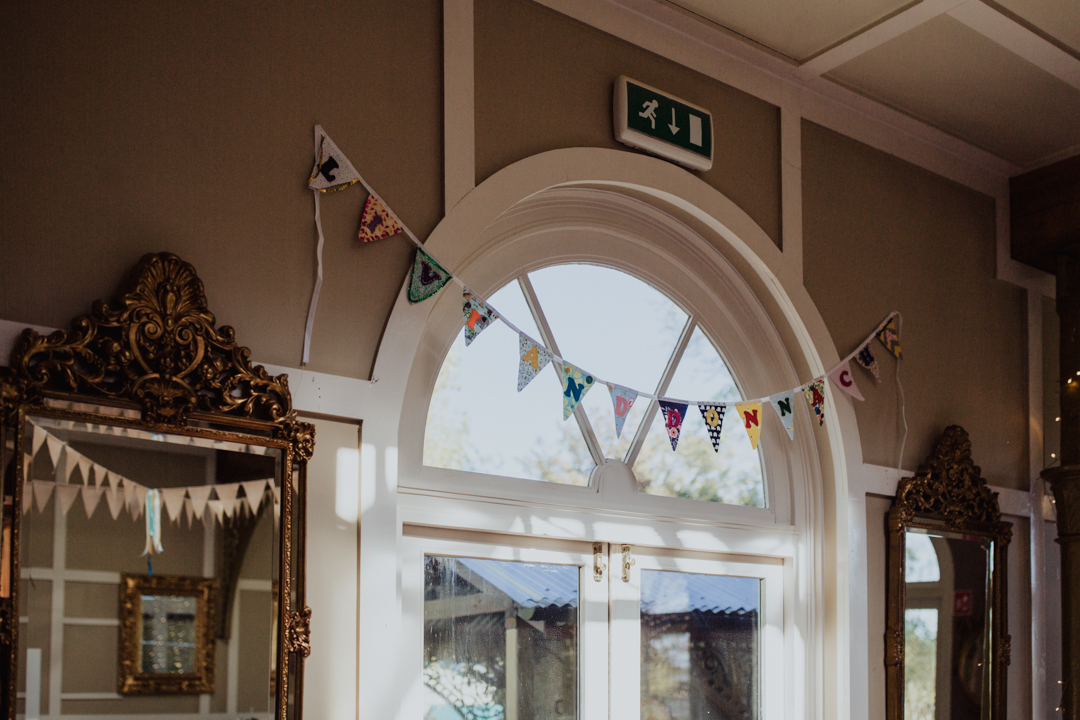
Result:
[[166, 643], [947, 643], [189, 461]]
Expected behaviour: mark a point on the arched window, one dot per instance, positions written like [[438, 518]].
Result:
[[620, 328]]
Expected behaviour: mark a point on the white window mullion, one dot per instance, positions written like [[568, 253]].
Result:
[[548, 338], [661, 388], [625, 685]]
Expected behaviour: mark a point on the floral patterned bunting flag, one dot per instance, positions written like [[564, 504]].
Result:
[[751, 416], [428, 277], [865, 357], [815, 395], [890, 338], [575, 384], [533, 359], [674, 413], [841, 377], [713, 415], [781, 402], [622, 399], [478, 315], [376, 222]]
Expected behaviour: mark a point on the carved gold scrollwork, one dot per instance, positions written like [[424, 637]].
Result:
[[894, 648], [301, 436], [298, 632], [154, 345], [7, 622]]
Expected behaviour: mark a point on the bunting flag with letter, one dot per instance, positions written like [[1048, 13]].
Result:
[[865, 357], [750, 413], [153, 522], [713, 415], [781, 402], [842, 378], [815, 395], [428, 277], [534, 358], [622, 399], [575, 384], [478, 315], [674, 413], [890, 338], [376, 222], [332, 172]]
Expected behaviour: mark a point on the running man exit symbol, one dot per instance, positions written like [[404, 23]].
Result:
[[684, 133]]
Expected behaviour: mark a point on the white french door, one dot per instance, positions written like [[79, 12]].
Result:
[[560, 630]]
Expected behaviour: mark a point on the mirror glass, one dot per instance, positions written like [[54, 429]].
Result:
[[946, 625], [105, 503]]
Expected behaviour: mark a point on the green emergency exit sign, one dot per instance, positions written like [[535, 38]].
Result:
[[664, 125]]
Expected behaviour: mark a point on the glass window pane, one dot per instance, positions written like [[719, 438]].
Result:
[[699, 646], [920, 663], [921, 561], [696, 471], [612, 324], [500, 639], [478, 421]]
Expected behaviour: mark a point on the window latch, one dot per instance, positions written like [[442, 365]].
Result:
[[598, 566], [627, 561]]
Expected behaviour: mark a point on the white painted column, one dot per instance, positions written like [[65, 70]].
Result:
[[1038, 519], [56, 629], [459, 124]]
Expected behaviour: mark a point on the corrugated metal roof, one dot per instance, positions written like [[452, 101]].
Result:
[[662, 592]]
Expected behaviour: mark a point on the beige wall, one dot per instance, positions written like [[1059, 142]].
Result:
[[883, 235], [544, 81], [134, 127]]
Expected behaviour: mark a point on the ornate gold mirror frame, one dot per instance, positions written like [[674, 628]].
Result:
[[949, 500], [153, 359]]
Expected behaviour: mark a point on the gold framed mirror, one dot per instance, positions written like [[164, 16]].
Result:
[[946, 642], [166, 642], [143, 442]]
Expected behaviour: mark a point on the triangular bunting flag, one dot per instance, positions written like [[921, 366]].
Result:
[[217, 509], [66, 495], [428, 278], [112, 479], [199, 496], [100, 475], [842, 378], [750, 414], [114, 496], [533, 359], [139, 504], [38, 439], [865, 357], [478, 315], [91, 497], [253, 493], [84, 468], [332, 170], [55, 446], [189, 511], [69, 463], [575, 384], [129, 491], [815, 395], [376, 223], [42, 493], [890, 338], [781, 402], [674, 414], [173, 500], [622, 399], [277, 492], [27, 497], [713, 415], [227, 493]]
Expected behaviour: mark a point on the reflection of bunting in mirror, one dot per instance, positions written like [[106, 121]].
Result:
[[66, 495], [253, 494], [674, 413], [42, 493], [713, 415], [199, 497], [91, 497], [114, 497]]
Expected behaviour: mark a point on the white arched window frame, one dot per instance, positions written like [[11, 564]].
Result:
[[723, 278]]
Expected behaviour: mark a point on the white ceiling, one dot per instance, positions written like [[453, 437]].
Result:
[[1003, 76]]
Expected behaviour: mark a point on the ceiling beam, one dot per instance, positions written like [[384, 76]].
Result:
[[876, 36], [1019, 40]]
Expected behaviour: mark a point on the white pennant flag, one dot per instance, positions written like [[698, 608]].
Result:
[[128, 487], [91, 497], [84, 468], [139, 504], [42, 493], [71, 460], [189, 511], [227, 493], [55, 446], [66, 496], [253, 493], [114, 496], [843, 379], [112, 479], [217, 509], [39, 438], [200, 495], [173, 499], [100, 474]]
